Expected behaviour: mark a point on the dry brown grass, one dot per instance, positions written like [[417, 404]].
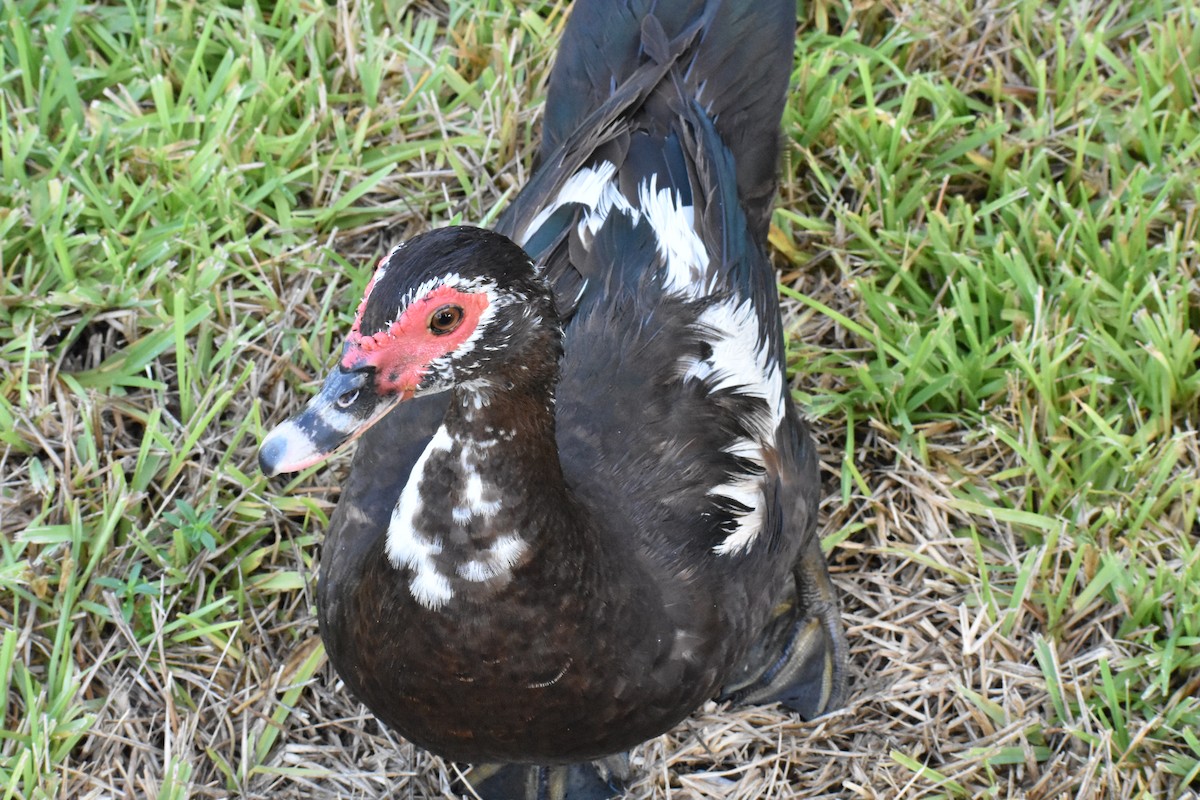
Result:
[[919, 650]]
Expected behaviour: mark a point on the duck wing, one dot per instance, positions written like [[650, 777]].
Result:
[[648, 216]]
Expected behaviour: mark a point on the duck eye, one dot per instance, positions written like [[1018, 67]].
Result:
[[445, 320], [347, 400]]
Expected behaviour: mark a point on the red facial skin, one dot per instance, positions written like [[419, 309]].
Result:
[[401, 353]]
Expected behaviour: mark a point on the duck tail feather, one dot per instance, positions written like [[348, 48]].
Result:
[[733, 57]]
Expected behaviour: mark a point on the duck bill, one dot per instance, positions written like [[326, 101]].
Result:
[[347, 405]]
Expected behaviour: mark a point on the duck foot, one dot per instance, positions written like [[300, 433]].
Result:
[[600, 780], [800, 659]]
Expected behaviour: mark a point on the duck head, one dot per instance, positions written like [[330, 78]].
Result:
[[441, 310]]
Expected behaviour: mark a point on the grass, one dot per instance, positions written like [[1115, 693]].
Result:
[[987, 230]]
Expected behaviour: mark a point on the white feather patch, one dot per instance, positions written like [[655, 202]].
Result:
[[473, 497], [431, 589], [683, 252], [609, 199], [584, 187], [496, 560], [407, 547], [741, 362], [674, 224], [681, 248]]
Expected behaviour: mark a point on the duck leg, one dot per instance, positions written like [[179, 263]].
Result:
[[601, 780], [799, 660]]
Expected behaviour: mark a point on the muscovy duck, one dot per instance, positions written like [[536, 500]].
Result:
[[582, 503]]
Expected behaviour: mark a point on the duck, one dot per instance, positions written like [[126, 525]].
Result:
[[582, 502]]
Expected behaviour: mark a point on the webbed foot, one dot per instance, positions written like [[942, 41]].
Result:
[[600, 780], [800, 658]]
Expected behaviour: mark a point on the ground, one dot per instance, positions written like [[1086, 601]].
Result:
[[987, 241]]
